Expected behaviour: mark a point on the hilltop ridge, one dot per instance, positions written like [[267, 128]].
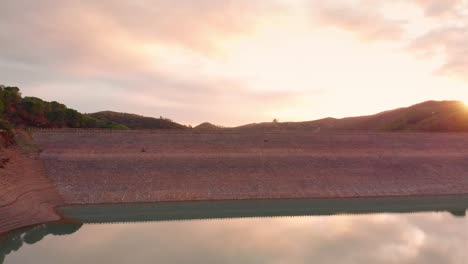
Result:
[[429, 116], [207, 126], [134, 121]]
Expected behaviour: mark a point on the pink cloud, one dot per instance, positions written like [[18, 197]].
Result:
[[363, 20]]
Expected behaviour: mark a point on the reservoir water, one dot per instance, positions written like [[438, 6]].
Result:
[[437, 236]]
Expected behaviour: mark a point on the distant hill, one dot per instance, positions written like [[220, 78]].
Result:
[[447, 116], [437, 116], [19, 111], [207, 126], [134, 121]]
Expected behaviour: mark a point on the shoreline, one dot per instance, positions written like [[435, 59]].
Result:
[[88, 168]]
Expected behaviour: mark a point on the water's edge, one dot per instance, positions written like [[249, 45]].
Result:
[[167, 211]]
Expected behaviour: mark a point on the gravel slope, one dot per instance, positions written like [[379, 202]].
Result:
[[144, 166]]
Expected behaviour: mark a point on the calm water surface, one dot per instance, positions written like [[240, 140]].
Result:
[[426, 237]]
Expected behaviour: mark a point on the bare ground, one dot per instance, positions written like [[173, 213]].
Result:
[[27, 196], [125, 167]]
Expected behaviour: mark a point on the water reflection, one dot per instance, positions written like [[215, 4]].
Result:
[[434, 232], [106, 213], [375, 238], [15, 240]]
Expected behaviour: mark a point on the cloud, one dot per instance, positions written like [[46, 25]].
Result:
[[437, 8], [371, 20], [90, 36], [191, 24], [364, 19], [445, 39], [86, 29], [172, 58], [130, 55], [449, 42]]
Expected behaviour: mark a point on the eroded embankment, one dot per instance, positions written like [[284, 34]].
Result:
[[27, 195]]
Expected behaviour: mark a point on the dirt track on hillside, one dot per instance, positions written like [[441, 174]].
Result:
[[92, 167]]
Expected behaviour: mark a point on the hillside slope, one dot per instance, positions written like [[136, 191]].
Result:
[[19, 111], [437, 116], [446, 116], [207, 126], [134, 121]]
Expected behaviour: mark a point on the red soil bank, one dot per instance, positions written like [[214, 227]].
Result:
[[103, 167], [27, 196]]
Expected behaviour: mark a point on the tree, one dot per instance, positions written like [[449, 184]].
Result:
[[32, 109], [2, 107], [56, 114], [10, 97], [73, 118]]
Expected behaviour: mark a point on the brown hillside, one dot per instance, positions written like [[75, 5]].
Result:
[[207, 126], [134, 121], [438, 116]]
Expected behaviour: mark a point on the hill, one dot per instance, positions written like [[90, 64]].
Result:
[[134, 121], [207, 126], [436, 116], [19, 111]]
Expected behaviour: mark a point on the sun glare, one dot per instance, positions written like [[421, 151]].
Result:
[[465, 103]]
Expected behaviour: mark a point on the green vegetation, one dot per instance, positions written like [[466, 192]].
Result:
[[7, 98], [16, 110], [430, 116], [133, 121], [5, 125]]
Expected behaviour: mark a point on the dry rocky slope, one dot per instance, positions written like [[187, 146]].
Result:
[[135, 166], [27, 196]]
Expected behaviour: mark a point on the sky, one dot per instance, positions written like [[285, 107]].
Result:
[[429, 238], [236, 62]]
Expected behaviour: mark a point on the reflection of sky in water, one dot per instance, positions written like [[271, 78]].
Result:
[[377, 238]]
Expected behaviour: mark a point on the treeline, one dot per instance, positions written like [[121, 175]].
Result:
[[133, 121], [18, 111]]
